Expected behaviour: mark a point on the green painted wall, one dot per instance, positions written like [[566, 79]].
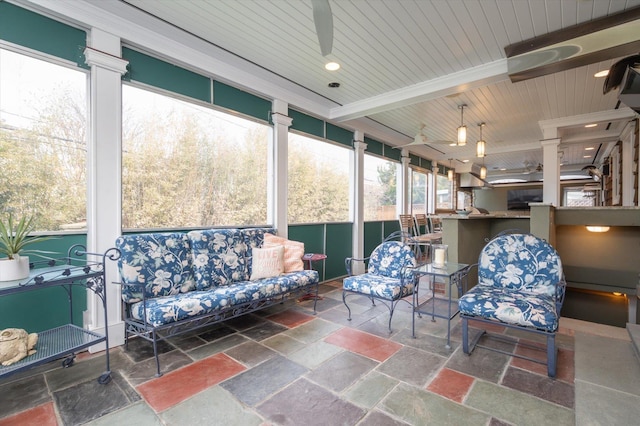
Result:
[[46, 308]]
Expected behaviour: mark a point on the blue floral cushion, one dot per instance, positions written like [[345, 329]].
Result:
[[518, 283], [254, 237], [160, 262], [165, 310], [511, 306], [378, 286], [218, 257], [389, 275], [520, 262], [392, 259]]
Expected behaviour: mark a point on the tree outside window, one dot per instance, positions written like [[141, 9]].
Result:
[[43, 126]]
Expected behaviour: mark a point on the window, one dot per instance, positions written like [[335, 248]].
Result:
[[318, 181], [581, 196], [419, 199], [186, 165], [381, 178], [444, 198], [43, 127]]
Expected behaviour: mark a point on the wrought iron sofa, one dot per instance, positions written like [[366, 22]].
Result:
[[521, 285], [176, 282]]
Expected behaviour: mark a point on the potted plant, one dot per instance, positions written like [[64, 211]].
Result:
[[13, 239]]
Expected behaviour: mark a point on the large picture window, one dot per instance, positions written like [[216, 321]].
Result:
[[187, 166], [444, 193], [43, 127], [419, 190], [380, 188], [318, 181]]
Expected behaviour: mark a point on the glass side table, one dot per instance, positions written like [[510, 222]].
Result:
[[436, 306]]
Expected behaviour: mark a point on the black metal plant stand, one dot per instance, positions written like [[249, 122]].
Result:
[[79, 268]]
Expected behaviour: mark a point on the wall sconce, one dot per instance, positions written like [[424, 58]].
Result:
[[592, 228], [481, 144], [462, 130]]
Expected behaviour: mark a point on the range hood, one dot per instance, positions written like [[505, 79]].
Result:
[[470, 177]]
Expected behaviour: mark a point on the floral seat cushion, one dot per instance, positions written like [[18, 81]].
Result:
[[511, 306], [378, 286], [168, 309]]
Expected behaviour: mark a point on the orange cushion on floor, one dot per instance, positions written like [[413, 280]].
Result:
[[293, 251]]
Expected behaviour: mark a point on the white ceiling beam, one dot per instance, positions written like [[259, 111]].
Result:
[[591, 137], [550, 127], [462, 81]]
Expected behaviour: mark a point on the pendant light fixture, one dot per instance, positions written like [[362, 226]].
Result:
[[462, 130], [483, 170], [450, 172], [481, 144]]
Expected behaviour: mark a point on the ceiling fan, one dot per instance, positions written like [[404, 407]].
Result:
[[422, 139], [527, 169], [323, 20]]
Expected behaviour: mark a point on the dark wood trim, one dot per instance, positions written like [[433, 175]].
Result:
[[572, 32]]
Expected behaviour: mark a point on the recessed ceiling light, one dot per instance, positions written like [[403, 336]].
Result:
[[591, 125], [589, 148], [334, 84], [332, 66], [503, 169], [602, 73], [586, 156], [465, 161]]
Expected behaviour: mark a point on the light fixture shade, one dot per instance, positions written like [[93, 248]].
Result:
[[483, 172], [592, 228], [450, 174], [480, 148], [462, 135]]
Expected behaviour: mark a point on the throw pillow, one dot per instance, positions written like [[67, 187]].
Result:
[[267, 262], [293, 251]]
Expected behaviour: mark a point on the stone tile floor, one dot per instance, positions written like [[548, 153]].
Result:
[[286, 366]]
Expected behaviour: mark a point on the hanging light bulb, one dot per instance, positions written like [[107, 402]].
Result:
[[450, 172], [480, 145], [483, 171], [462, 130]]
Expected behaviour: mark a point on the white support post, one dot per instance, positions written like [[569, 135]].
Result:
[[551, 172], [358, 199], [627, 139], [405, 182], [104, 175], [433, 183], [278, 171]]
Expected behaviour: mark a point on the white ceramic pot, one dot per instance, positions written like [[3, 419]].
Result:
[[14, 269]]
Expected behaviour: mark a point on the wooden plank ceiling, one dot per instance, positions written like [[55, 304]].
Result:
[[409, 64]]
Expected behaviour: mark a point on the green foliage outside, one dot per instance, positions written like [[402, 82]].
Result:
[[42, 168]]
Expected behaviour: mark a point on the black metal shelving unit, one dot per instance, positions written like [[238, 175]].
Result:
[[79, 268]]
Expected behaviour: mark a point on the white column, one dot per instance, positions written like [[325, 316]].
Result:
[[627, 164], [433, 183], [405, 182], [551, 172], [358, 199], [104, 179], [279, 182]]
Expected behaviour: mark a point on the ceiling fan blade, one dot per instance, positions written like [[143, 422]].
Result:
[[323, 19]]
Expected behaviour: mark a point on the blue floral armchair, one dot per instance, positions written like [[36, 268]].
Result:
[[520, 285], [389, 277]]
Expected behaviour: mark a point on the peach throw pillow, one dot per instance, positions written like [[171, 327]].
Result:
[[293, 251]]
